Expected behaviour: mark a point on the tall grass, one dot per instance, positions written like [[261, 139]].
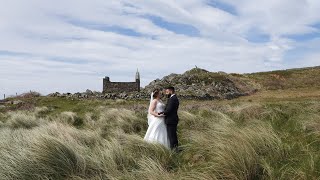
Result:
[[218, 141], [223, 149]]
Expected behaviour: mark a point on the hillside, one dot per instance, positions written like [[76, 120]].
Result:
[[287, 79], [202, 83]]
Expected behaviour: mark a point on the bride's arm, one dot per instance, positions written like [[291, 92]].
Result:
[[153, 107]]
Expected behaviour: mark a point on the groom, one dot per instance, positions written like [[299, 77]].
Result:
[[171, 117]]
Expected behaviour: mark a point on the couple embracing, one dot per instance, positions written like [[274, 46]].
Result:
[[163, 119]]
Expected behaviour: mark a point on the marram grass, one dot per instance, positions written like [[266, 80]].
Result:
[[218, 141]]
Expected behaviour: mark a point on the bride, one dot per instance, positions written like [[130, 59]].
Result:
[[157, 131]]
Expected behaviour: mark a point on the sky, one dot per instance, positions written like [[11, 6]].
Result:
[[70, 45]]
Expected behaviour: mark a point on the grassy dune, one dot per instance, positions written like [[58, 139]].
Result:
[[255, 137]]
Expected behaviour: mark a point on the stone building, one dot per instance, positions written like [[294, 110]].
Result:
[[116, 87]]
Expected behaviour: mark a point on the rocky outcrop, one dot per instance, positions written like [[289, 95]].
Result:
[[202, 84]]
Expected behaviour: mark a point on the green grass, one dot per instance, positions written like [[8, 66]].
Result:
[[264, 138], [288, 79], [200, 75]]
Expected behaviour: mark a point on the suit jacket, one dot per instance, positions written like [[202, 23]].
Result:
[[171, 110]]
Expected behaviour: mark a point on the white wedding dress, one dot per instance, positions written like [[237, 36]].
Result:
[[157, 131]]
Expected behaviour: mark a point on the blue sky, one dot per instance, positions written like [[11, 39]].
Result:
[[69, 46]]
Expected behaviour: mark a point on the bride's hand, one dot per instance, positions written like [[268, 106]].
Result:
[[160, 115]]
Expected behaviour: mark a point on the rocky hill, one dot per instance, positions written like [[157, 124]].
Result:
[[202, 84]]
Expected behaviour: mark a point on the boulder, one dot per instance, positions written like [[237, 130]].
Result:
[[16, 102]]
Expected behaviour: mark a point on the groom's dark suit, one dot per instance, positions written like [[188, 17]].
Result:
[[172, 119]]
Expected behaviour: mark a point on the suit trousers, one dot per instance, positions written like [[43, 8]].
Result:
[[172, 135]]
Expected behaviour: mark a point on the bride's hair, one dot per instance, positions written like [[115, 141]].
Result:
[[156, 93]]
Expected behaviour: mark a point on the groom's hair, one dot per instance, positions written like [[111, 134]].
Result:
[[171, 88]]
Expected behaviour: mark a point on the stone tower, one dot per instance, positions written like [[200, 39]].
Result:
[[138, 80]]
